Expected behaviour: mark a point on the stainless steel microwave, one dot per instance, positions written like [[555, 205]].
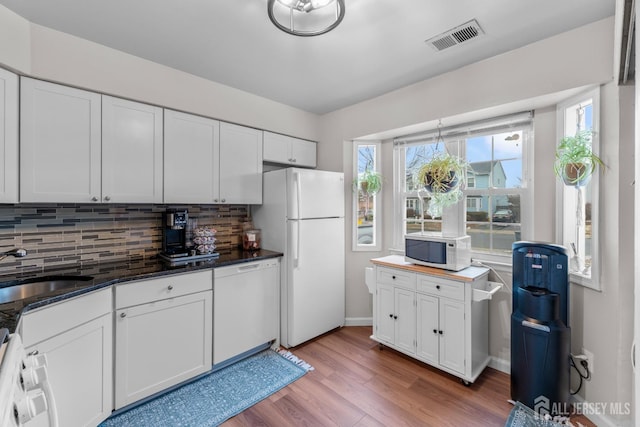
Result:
[[449, 253]]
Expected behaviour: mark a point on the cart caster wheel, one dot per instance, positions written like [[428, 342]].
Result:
[[465, 383]]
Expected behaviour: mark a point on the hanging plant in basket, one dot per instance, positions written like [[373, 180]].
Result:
[[575, 160], [442, 177], [368, 183]]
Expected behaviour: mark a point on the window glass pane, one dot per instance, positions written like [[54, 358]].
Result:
[[366, 187], [495, 160], [577, 203], [416, 221], [366, 205], [494, 231]]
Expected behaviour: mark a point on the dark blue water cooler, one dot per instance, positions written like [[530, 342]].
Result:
[[540, 333]]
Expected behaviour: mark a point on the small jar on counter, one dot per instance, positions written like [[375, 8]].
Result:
[[251, 240]]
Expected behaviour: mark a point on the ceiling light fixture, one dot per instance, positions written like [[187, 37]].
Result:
[[306, 17]]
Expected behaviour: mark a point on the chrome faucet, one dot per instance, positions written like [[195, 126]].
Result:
[[17, 252]]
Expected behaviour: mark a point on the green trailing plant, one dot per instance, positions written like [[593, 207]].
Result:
[[575, 161], [442, 177], [368, 183]]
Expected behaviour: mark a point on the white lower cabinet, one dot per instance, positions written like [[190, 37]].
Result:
[[437, 316], [76, 336], [246, 309], [439, 327], [163, 330], [397, 317]]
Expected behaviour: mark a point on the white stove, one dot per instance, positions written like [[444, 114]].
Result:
[[25, 395]]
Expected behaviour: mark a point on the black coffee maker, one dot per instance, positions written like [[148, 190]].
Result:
[[174, 233]]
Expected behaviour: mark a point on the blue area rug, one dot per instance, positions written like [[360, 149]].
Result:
[[523, 416], [214, 398]]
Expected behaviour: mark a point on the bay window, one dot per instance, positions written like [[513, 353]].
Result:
[[496, 202]]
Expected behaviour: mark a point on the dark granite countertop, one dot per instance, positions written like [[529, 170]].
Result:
[[104, 275]]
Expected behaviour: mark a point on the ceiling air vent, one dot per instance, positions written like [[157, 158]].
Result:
[[460, 34]]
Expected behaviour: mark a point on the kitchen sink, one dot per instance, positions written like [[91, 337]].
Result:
[[40, 287]]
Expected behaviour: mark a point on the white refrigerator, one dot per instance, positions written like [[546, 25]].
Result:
[[302, 216]]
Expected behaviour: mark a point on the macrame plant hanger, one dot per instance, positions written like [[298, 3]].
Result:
[[579, 203]]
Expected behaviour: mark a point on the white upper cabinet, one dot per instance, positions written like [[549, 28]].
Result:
[[81, 147], [191, 162], [207, 161], [8, 137], [131, 151], [241, 165], [288, 150], [59, 143]]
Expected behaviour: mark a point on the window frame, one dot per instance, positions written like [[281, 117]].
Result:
[[454, 220], [563, 214], [376, 246]]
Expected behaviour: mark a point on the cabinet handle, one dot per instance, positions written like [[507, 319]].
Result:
[[395, 317], [393, 277], [215, 200], [438, 287], [94, 199], [170, 287], [107, 198], [440, 332], [435, 331], [223, 200], [294, 160], [391, 316], [123, 314]]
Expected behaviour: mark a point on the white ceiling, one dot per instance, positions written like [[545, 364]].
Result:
[[378, 47]]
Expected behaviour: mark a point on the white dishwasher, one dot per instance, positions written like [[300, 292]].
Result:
[[246, 311]]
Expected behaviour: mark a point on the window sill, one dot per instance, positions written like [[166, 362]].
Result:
[[584, 280]]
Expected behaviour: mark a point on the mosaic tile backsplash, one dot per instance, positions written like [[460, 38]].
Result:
[[60, 235]]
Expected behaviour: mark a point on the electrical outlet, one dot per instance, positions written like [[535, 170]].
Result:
[[589, 359]]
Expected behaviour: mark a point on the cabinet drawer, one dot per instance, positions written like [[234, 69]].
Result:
[[51, 320], [395, 277], [144, 291], [441, 287]]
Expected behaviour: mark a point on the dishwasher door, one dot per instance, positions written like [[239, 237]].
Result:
[[246, 311]]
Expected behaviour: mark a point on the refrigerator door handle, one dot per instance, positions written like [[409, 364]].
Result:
[[296, 251], [296, 177]]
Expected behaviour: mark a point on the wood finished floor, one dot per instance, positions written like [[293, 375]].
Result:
[[357, 384]]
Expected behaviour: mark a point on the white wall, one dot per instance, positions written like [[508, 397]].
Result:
[[44, 53], [522, 79], [15, 41]]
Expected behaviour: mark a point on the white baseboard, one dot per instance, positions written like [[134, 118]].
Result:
[[358, 321], [600, 419], [501, 365]]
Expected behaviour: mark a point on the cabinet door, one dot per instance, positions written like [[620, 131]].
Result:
[[405, 318], [60, 157], [452, 352], [240, 164], [80, 371], [8, 137], [277, 148], [131, 151], [385, 325], [161, 344], [191, 162], [245, 309], [427, 323], [303, 152]]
